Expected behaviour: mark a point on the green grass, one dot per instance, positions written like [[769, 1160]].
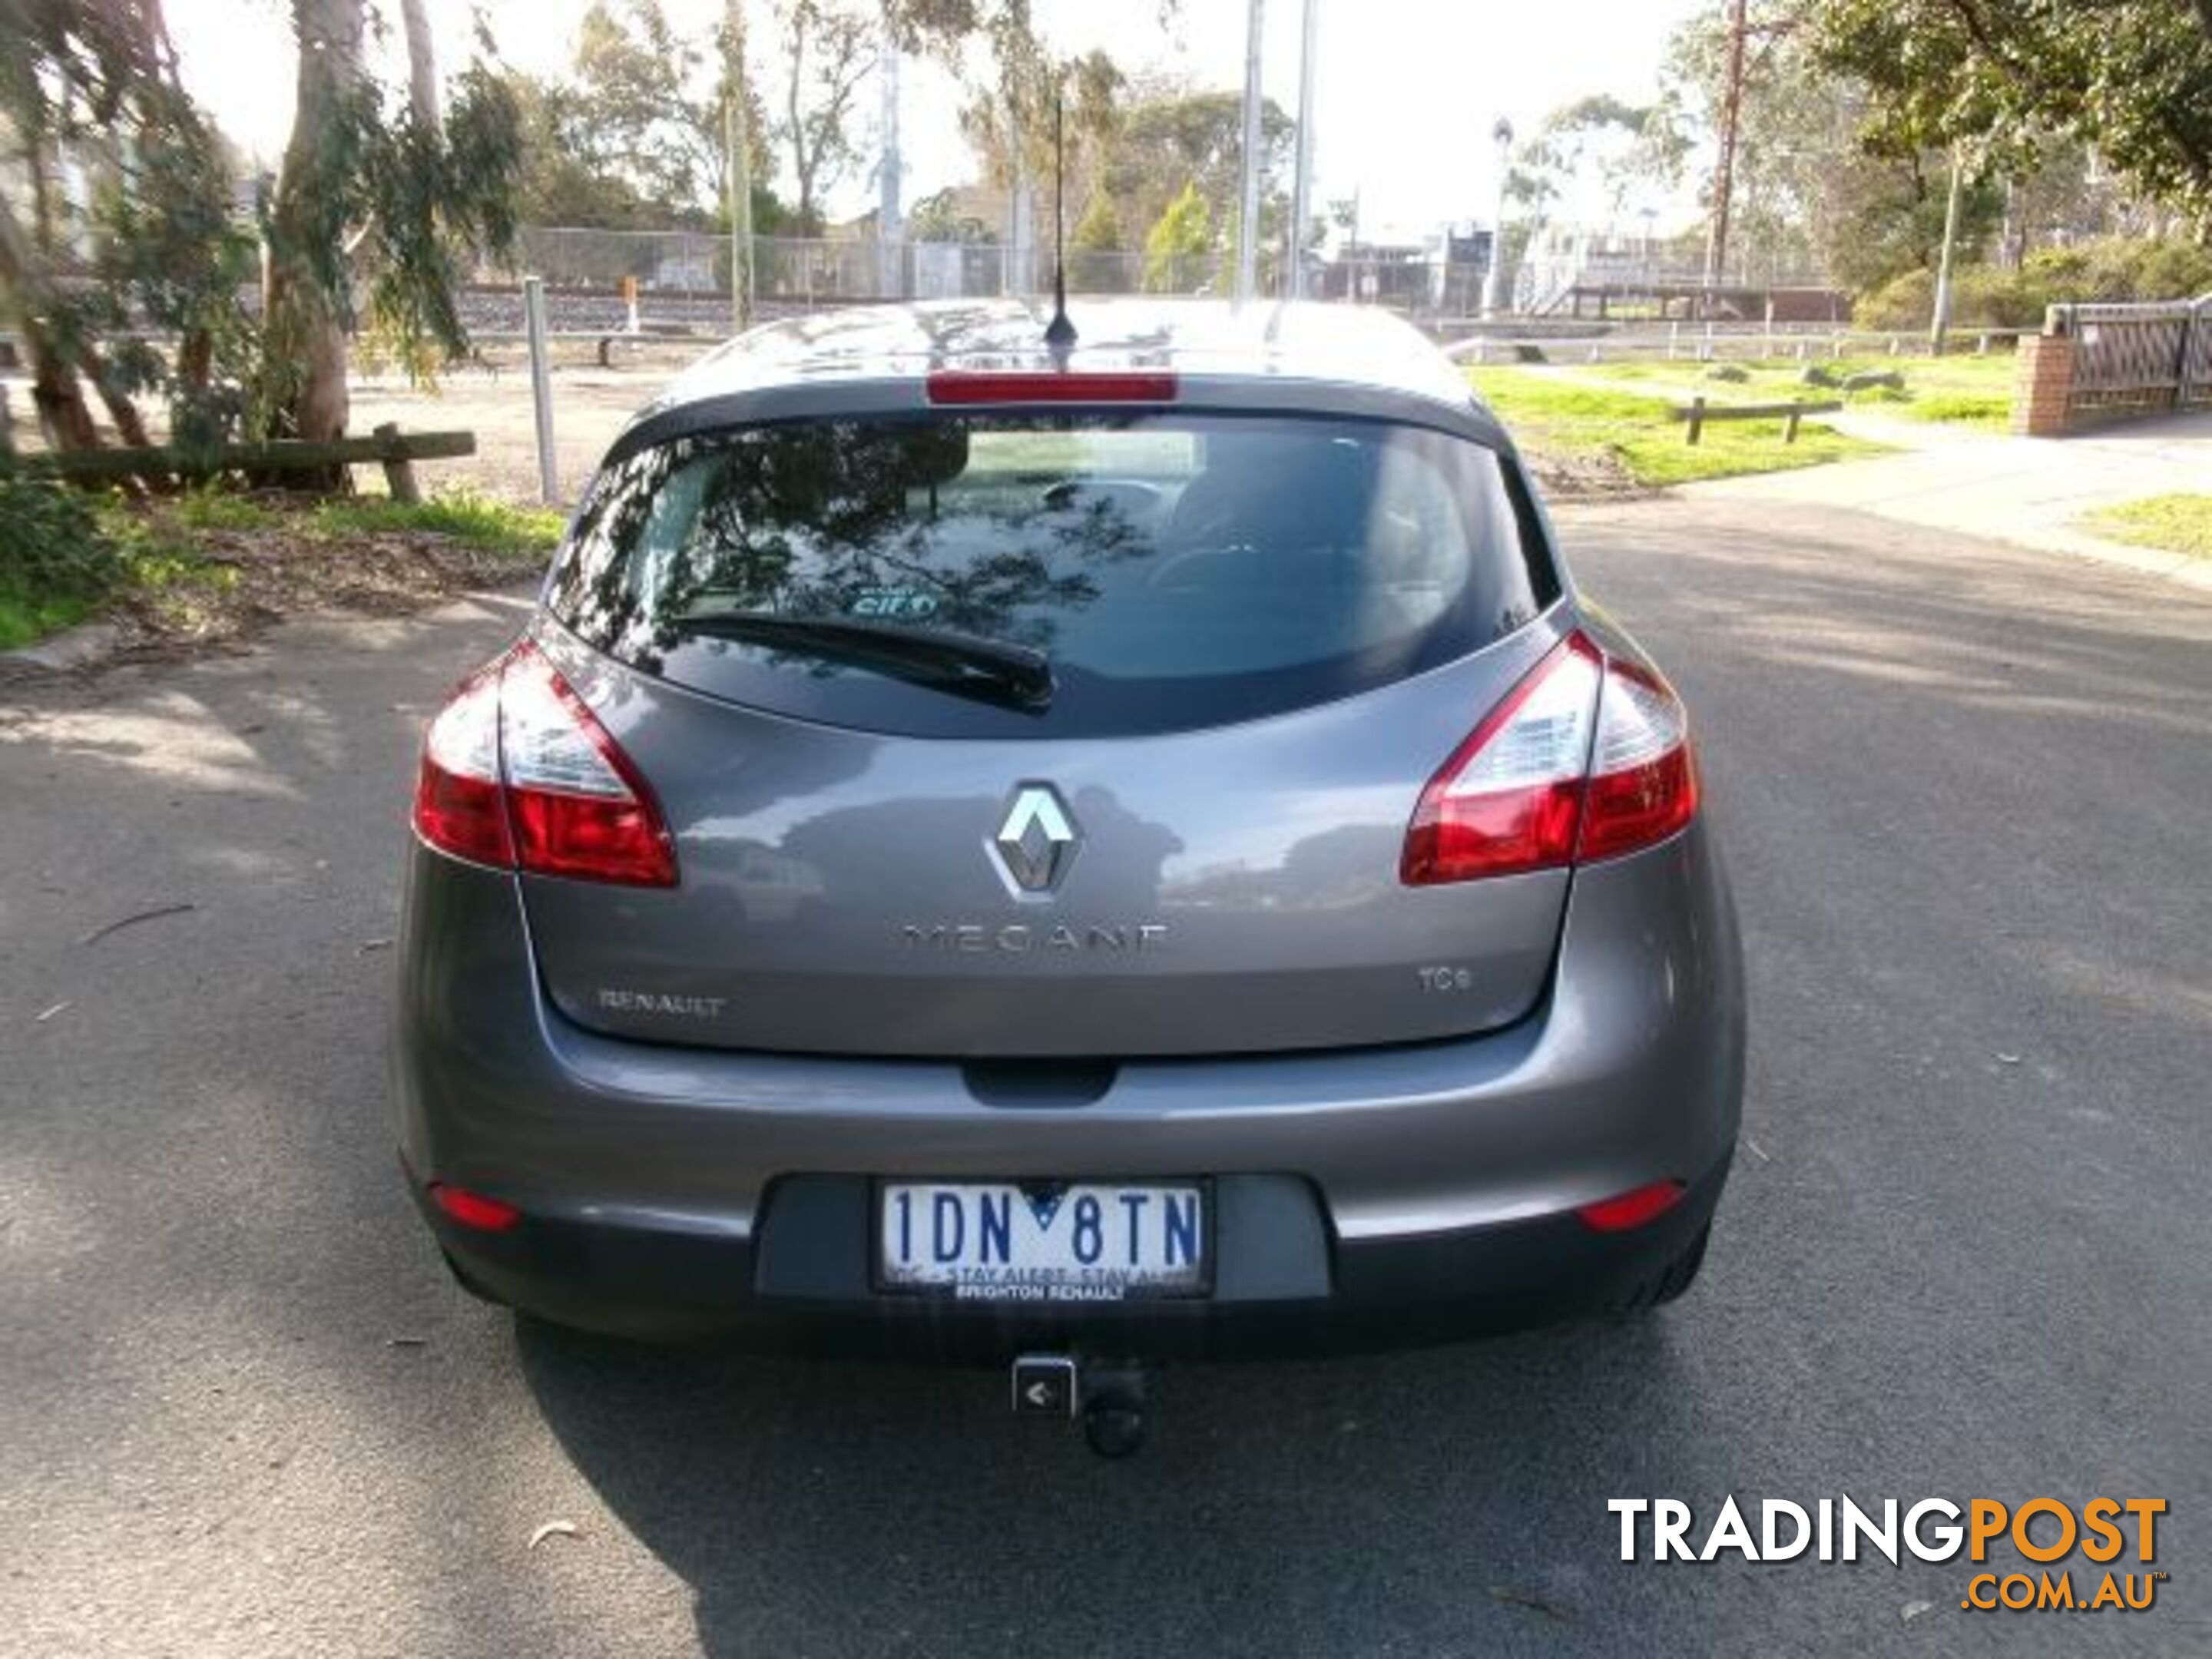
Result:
[[135, 554], [25, 617], [2174, 524], [460, 515], [1967, 391], [213, 510], [1548, 413], [157, 549]]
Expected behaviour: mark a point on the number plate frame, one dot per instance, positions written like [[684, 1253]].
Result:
[[1198, 1289]]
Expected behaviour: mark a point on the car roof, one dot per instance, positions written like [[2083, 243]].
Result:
[[1278, 342]]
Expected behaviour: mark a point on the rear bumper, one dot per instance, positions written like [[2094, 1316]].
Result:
[[1365, 1199], [1380, 1293]]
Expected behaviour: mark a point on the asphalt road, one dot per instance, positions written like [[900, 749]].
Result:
[[1965, 1253]]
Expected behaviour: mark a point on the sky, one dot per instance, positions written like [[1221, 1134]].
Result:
[[1407, 91]]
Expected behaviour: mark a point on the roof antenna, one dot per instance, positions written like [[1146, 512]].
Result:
[[1060, 332]]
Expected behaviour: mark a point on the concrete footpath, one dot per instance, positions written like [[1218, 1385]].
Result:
[[2028, 491]]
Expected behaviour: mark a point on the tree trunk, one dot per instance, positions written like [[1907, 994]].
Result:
[[129, 423], [802, 162], [27, 298], [304, 337], [423, 64]]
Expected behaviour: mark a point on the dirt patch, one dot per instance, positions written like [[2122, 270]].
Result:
[[1585, 477], [590, 407], [252, 579], [219, 586]]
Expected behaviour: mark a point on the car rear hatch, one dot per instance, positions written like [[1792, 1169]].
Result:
[[815, 645]]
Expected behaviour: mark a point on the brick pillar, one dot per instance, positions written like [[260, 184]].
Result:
[[2045, 382]]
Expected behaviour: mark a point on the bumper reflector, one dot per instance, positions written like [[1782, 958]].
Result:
[[487, 1215], [1633, 1209]]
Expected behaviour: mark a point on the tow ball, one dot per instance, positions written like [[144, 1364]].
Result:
[[1107, 1395]]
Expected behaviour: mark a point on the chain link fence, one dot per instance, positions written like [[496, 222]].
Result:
[[681, 277]]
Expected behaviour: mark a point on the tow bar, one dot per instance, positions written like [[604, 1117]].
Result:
[[1109, 1395]]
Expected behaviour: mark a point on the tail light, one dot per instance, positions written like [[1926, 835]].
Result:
[[1588, 757], [1633, 1209], [517, 773], [485, 1215]]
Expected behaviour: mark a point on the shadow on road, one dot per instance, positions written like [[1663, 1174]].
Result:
[[801, 1501]]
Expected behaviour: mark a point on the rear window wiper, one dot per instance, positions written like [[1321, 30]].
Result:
[[965, 665]]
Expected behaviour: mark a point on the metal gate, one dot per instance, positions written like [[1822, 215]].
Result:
[[2143, 357], [2195, 389]]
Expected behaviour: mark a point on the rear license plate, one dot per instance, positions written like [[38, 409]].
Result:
[[1044, 1240]]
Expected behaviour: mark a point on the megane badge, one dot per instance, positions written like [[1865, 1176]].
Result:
[[1036, 840]]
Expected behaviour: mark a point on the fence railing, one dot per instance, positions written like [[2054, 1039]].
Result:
[[686, 268], [683, 273], [2138, 357], [1714, 342]]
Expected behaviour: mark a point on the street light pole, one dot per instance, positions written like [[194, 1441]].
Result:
[[891, 264], [1248, 224], [738, 166], [1493, 288], [1301, 180]]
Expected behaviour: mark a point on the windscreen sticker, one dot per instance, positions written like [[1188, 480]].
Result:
[[911, 604]]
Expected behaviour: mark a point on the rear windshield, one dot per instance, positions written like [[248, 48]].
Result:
[[1177, 570]]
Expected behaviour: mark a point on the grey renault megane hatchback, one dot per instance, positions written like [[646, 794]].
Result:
[[1139, 849]]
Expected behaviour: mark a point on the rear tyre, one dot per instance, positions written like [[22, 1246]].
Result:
[[1670, 1281]]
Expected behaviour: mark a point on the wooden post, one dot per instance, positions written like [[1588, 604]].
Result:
[[1790, 430], [1697, 417], [398, 471]]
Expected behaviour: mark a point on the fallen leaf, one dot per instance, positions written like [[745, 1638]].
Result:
[[132, 921], [2008, 1060], [369, 944], [1519, 1598], [553, 1529], [1912, 1610]]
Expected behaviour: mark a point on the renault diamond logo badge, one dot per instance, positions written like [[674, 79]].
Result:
[[1036, 840]]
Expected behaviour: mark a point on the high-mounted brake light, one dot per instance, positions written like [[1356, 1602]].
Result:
[[517, 773], [954, 386], [1588, 757]]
